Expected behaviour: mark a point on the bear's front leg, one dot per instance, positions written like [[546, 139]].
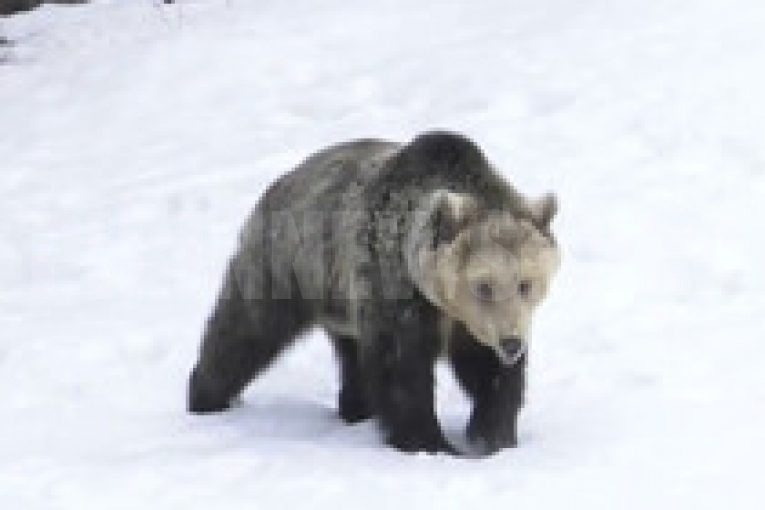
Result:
[[400, 366], [353, 401], [497, 392]]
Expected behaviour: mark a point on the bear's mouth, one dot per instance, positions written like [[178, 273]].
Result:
[[511, 349]]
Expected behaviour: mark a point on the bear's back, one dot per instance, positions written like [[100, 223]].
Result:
[[330, 180], [306, 224]]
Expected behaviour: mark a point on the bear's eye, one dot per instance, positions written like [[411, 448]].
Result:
[[524, 288], [484, 290]]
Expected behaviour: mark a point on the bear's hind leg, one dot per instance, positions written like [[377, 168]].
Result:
[[242, 338], [353, 403], [496, 390]]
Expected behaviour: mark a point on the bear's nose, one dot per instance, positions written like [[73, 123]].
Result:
[[512, 347]]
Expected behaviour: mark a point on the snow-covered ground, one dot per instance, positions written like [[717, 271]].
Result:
[[135, 137]]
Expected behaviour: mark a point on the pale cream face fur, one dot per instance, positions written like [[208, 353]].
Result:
[[492, 276]]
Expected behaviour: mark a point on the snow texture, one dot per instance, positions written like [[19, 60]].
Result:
[[137, 135]]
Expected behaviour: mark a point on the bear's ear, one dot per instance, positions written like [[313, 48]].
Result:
[[449, 213], [543, 210]]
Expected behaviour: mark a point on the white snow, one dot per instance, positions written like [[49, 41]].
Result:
[[136, 136]]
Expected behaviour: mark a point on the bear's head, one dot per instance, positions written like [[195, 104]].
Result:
[[487, 269]]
